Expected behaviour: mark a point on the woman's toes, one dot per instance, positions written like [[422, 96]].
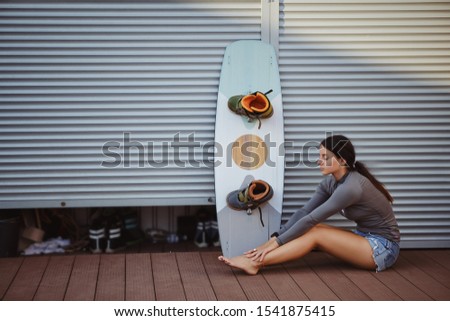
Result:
[[224, 259]]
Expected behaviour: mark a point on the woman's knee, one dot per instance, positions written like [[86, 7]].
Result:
[[322, 234], [319, 229], [316, 233], [322, 225]]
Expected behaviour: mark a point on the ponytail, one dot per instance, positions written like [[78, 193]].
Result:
[[362, 169]]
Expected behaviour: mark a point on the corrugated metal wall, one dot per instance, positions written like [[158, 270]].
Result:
[[75, 76], [379, 72]]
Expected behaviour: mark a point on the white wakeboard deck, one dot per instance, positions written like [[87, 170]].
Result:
[[248, 66]]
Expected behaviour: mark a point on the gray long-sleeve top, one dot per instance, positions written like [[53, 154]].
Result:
[[355, 197]]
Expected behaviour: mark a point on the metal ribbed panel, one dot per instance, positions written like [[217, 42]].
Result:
[[76, 75], [379, 72]]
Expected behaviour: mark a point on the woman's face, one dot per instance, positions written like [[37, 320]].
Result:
[[328, 163]]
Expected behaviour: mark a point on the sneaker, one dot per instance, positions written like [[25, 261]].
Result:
[[97, 232], [257, 193], [97, 239], [207, 226], [200, 235], [114, 241], [253, 106], [213, 233]]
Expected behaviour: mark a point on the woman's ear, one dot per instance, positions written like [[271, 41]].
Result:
[[342, 162]]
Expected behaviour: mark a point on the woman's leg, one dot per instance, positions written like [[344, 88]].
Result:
[[342, 244]]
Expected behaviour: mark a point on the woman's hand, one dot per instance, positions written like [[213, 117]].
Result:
[[260, 252]]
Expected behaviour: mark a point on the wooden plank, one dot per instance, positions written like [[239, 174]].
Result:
[[340, 284], [282, 284], [197, 286], [394, 280], [255, 287], [429, 266], [8, 270], [139, 277], [440, 256], [27, 280], [56, 277], [224, 283], [313, 286], [83, 280], [168, 286], [422, 280], [111, 278], [370, 285], [366, 281]]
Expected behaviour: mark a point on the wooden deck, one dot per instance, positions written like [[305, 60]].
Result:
[[198, 275]]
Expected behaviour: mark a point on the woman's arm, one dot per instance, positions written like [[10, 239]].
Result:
[[344, 196], [318, 198]]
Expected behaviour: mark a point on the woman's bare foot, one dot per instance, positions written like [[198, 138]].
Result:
[[242, 262]]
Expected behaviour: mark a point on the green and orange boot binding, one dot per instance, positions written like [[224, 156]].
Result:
[[253, 196], [253, 106]]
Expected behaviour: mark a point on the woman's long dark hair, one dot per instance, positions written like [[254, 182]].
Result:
[[343, 148]]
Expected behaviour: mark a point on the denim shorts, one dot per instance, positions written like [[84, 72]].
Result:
[[385, 252]]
